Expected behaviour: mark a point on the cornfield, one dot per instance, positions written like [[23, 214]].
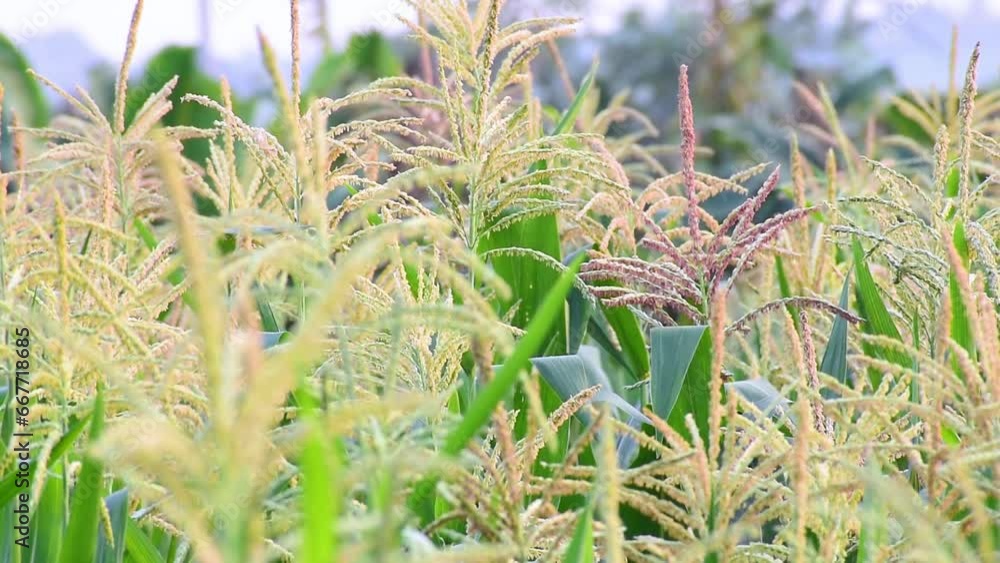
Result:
[[433, 321]]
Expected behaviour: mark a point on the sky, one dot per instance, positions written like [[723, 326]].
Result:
[[56, 33], [233, 21]]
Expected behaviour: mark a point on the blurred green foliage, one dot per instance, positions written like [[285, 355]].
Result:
[[22, 94], [368, 56], [745, 57], [182, 62]]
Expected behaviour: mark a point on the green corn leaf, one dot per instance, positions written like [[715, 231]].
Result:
[[272, 339], [145, 233], [84, 517], [319, 506], [22, 93], [681, 368], [599, 334], [175, 276], [183, 62], [49, 520], [834, 360], [762, 395], [372, 55], [899, 122], [629, 334], [139, 546], [267, 321], [951, 184], [877, 319], [114, 551], [580, 310], [529, 279], [950, 437], [874, 515], [568, 117], [568, 375], [86, 242], [330, 72], [786, 289], [631, 349], [7, 421], [503, 381], [7, 488], [172, 546], [960, 326], [581, 547], [422, 500], [367, 57]]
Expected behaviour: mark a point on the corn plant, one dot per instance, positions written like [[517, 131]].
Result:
[[436, 320]]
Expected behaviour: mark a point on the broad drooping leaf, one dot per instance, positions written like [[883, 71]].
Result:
[[681, 360], [569, 375], [762, 395], [617, 332]]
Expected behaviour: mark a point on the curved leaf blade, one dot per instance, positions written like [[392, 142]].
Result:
[[834, 360], [673, 351]]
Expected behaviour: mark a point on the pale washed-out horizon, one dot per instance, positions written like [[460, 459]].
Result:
[[63, 39]]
